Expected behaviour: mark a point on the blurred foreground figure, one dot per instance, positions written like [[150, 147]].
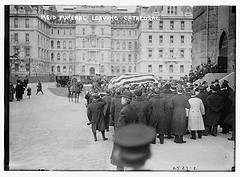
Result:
[[132, 145]]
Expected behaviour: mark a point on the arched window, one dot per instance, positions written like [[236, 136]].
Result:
[[70, 57], [129, 69], [123, 69], [52, 56], [58, 56], [64, 44], [112, 69], [112, 45], [129, 46], [124, 46], [118, 45], [112, 58], [129, 58], [83, 68], [118, 69], [64, 57], [58, 69], [52, 69], [118, 57], [64, 69], [58, 44], [70, 69], [123, 57], [70, 44], [52, 44]]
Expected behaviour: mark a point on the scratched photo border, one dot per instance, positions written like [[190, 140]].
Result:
[[6, 76]]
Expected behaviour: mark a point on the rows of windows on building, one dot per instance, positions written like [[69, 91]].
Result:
[[171, 38], [171, 68]]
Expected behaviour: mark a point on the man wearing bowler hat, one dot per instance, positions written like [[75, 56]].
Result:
[[127, 116], [132, 145], [214, 106]]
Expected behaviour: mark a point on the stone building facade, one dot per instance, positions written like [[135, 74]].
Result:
[[214, 36], [90, 40]]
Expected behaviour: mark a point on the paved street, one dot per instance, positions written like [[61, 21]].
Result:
[[48, 131]]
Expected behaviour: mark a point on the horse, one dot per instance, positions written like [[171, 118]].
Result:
[[74, 89]]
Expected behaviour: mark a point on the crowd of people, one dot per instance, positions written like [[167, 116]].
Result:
[[20, 87], [202, 70], [173, 110]]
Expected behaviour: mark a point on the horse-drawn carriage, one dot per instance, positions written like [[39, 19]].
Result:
[[62, 81]]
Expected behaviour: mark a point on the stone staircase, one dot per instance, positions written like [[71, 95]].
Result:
[[220, 76]]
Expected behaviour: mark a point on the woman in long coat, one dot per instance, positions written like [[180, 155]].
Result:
[[179, 102], [195, 119], [157, 118]]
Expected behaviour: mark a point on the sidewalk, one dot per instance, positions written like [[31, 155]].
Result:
[[48, 131]]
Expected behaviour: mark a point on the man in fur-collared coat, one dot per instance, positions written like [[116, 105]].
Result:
[[214, 107]]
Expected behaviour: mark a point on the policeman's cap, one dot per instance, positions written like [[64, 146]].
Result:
[[133, 143]]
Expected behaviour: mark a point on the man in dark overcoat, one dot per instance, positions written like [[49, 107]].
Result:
[[115, 108], [106, 110], [168, 93], [126, 116], [96, 117], [141, 106], [226, 108], [19, 91], [11, 91], [214, 107], [158, 114], [203, 94], [179, 102]]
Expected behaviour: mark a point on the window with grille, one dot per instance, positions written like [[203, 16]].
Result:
[[182, 25], [160, 25], [27, 38], [15, 37], [58, 69], [181, 53], [171, 25], [150, 39], [26, 23], [181, 68], [150, 24], [160, 39], [15, 22], [160, 53], [58, 56], [149, 53], [64, 69], [58, 44], [182, 39], [160, 68], [171, 39], [171, 69], [171, 54], [149, 68]]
